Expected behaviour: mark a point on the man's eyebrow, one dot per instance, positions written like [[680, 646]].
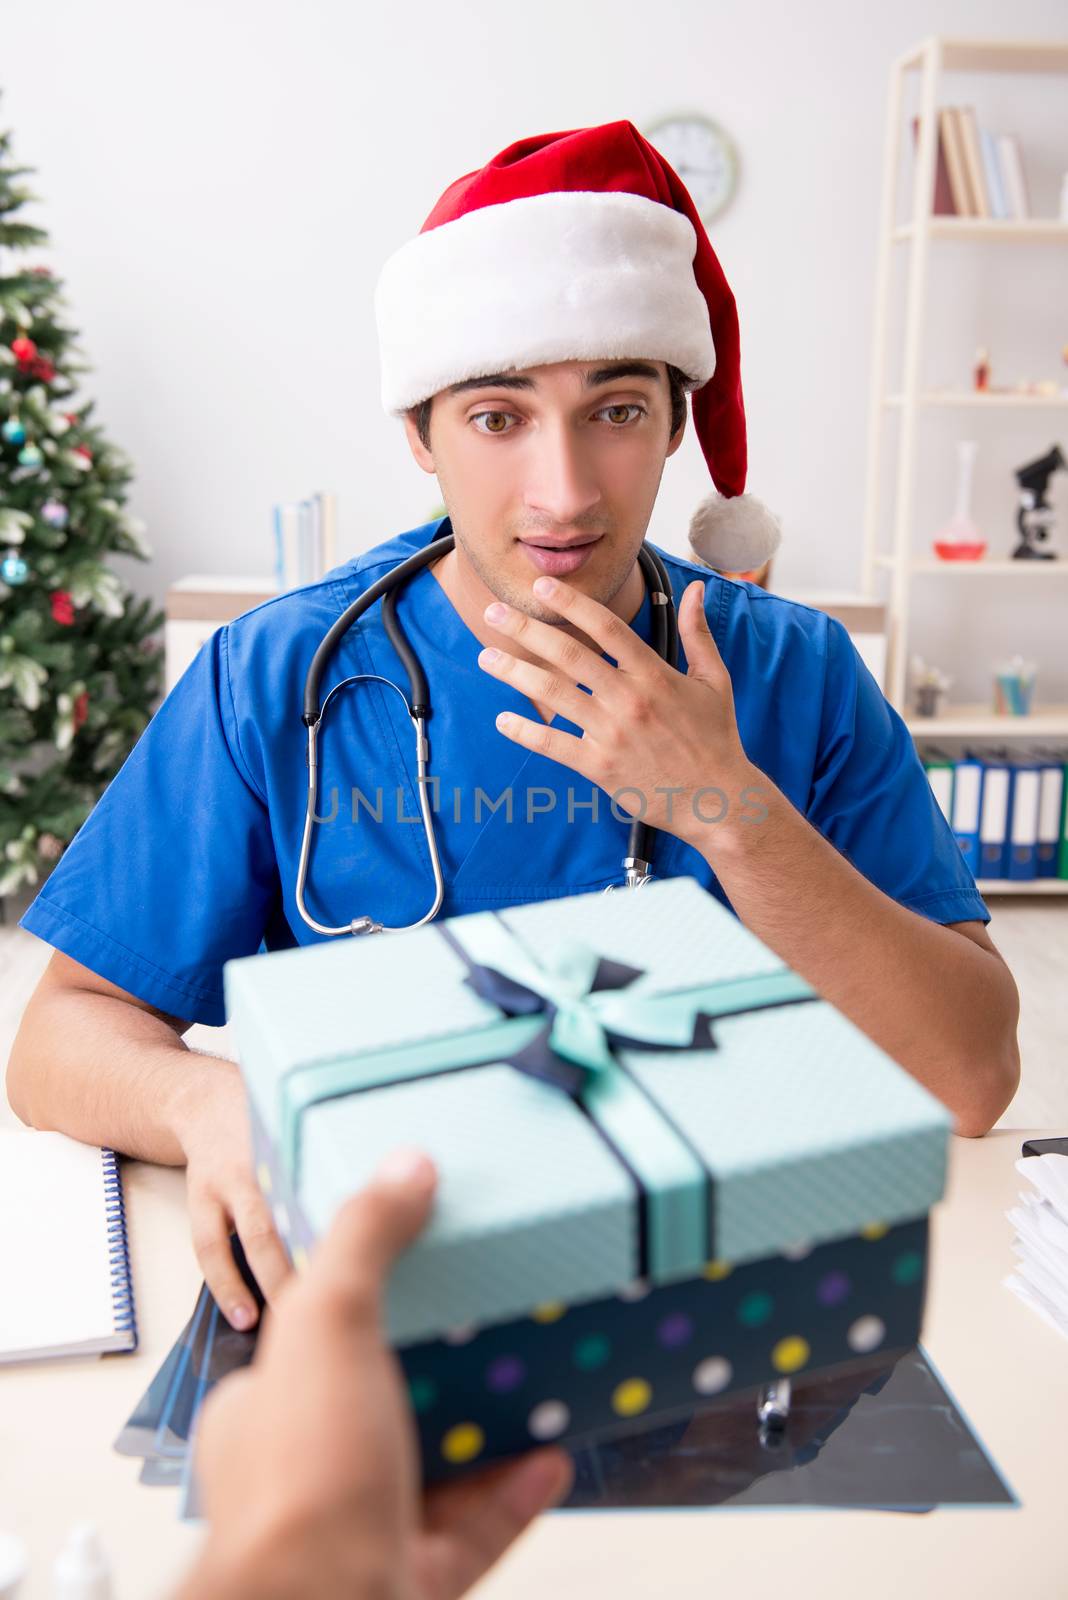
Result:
[[593, 379]]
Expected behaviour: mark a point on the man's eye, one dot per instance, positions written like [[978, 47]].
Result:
[[640, 409], [496, 416]]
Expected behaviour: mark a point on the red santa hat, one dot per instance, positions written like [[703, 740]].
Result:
[[580, 245]]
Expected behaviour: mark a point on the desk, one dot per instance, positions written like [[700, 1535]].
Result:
[[1006, 1368]]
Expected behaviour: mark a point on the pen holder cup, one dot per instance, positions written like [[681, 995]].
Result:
[[1014, 689]]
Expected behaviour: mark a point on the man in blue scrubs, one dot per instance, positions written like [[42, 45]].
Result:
[[538, 338]]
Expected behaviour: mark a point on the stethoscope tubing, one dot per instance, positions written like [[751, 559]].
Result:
[[665, 641]]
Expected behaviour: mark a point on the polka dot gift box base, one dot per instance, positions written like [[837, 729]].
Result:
[[668, 1168]]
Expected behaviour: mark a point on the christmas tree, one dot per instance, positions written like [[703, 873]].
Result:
[[80, 667]]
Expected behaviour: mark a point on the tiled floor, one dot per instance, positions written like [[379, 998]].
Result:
[[1032, 935]]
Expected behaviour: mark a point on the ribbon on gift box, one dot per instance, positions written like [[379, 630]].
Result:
[[562, 1020]]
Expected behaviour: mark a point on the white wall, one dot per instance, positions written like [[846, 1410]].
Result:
[[222, 182]]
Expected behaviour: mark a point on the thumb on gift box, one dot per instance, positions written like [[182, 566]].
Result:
[[375, 1226]]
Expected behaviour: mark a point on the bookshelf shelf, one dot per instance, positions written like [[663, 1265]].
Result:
[[978, 721], [991, 55], [928, 566], [1021, 230], [980, 401], [1026, 886]]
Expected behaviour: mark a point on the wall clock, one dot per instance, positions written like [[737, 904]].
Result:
[[703, 156]]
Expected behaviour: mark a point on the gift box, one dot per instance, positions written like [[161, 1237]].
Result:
[[668, 1168]]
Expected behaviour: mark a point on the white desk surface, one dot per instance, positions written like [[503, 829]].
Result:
[[1007, 1369]]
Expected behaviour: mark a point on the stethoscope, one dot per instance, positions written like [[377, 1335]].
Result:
[[636, 863]]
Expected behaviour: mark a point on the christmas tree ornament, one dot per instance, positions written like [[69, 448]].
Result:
[[30, 456], [13, 569], [13, 431], [55, 513], [42, 368], [49, 848], [582, 245], [23, 350], [71, 712], [62, 609]]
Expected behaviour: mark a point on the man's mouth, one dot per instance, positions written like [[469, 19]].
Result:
[[558, 559]]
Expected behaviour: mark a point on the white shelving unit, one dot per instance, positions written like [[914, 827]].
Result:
[[1025, 886], [932, 59]]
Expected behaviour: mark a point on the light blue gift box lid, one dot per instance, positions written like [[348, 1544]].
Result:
[[808, 1129]]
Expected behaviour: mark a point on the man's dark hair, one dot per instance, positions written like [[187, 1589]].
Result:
[[678, 387]]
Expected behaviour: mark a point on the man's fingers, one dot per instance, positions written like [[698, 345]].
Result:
[[264, 1250], [702, 652], [210, 1227], [372, 1228], [470, 1524]]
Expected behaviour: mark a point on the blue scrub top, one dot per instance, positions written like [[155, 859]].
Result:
[[190, 856]]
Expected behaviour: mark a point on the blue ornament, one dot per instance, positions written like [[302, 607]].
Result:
[[13, 569], [30, 456], [55, 513], [13, 431]]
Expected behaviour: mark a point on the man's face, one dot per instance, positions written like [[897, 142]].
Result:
[[552, 469]]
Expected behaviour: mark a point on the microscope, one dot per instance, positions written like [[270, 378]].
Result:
[[1034, 514]]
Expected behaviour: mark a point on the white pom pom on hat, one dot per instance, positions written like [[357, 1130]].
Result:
[[735, 534], [578, 245]]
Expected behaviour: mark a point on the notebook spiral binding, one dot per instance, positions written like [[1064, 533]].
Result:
[[118, 1249]]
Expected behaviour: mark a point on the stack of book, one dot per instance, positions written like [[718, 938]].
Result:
[[979, 173], [1009, 812], [304, 540]]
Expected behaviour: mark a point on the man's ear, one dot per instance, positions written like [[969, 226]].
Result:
[[416, 445]]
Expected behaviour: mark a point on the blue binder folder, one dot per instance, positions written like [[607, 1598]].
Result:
[[1024, 790], [967, 798]]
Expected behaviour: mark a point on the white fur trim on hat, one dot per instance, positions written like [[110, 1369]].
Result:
[[734, 533], [564, 276]]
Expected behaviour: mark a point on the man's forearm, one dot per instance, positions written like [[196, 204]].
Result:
[[108, 1073], [940, 1004]]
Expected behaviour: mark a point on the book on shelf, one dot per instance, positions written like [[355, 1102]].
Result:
[[978, 173], [304, 540], [1008, 812]]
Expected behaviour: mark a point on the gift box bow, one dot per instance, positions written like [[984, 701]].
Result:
[[563, 1019], [592, 1006]]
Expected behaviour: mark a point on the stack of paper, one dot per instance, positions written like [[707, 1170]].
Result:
[[1041, 1243]]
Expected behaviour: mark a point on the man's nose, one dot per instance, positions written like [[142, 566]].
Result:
[[561, 483]]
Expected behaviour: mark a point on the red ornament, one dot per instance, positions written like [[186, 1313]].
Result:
[[83, 450], [41, 367], [62, 607], [23, 350], [81, 709]]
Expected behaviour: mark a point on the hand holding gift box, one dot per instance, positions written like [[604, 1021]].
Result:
[[668, 1168]]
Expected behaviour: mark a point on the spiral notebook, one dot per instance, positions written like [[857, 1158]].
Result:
[[65, 1286]]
